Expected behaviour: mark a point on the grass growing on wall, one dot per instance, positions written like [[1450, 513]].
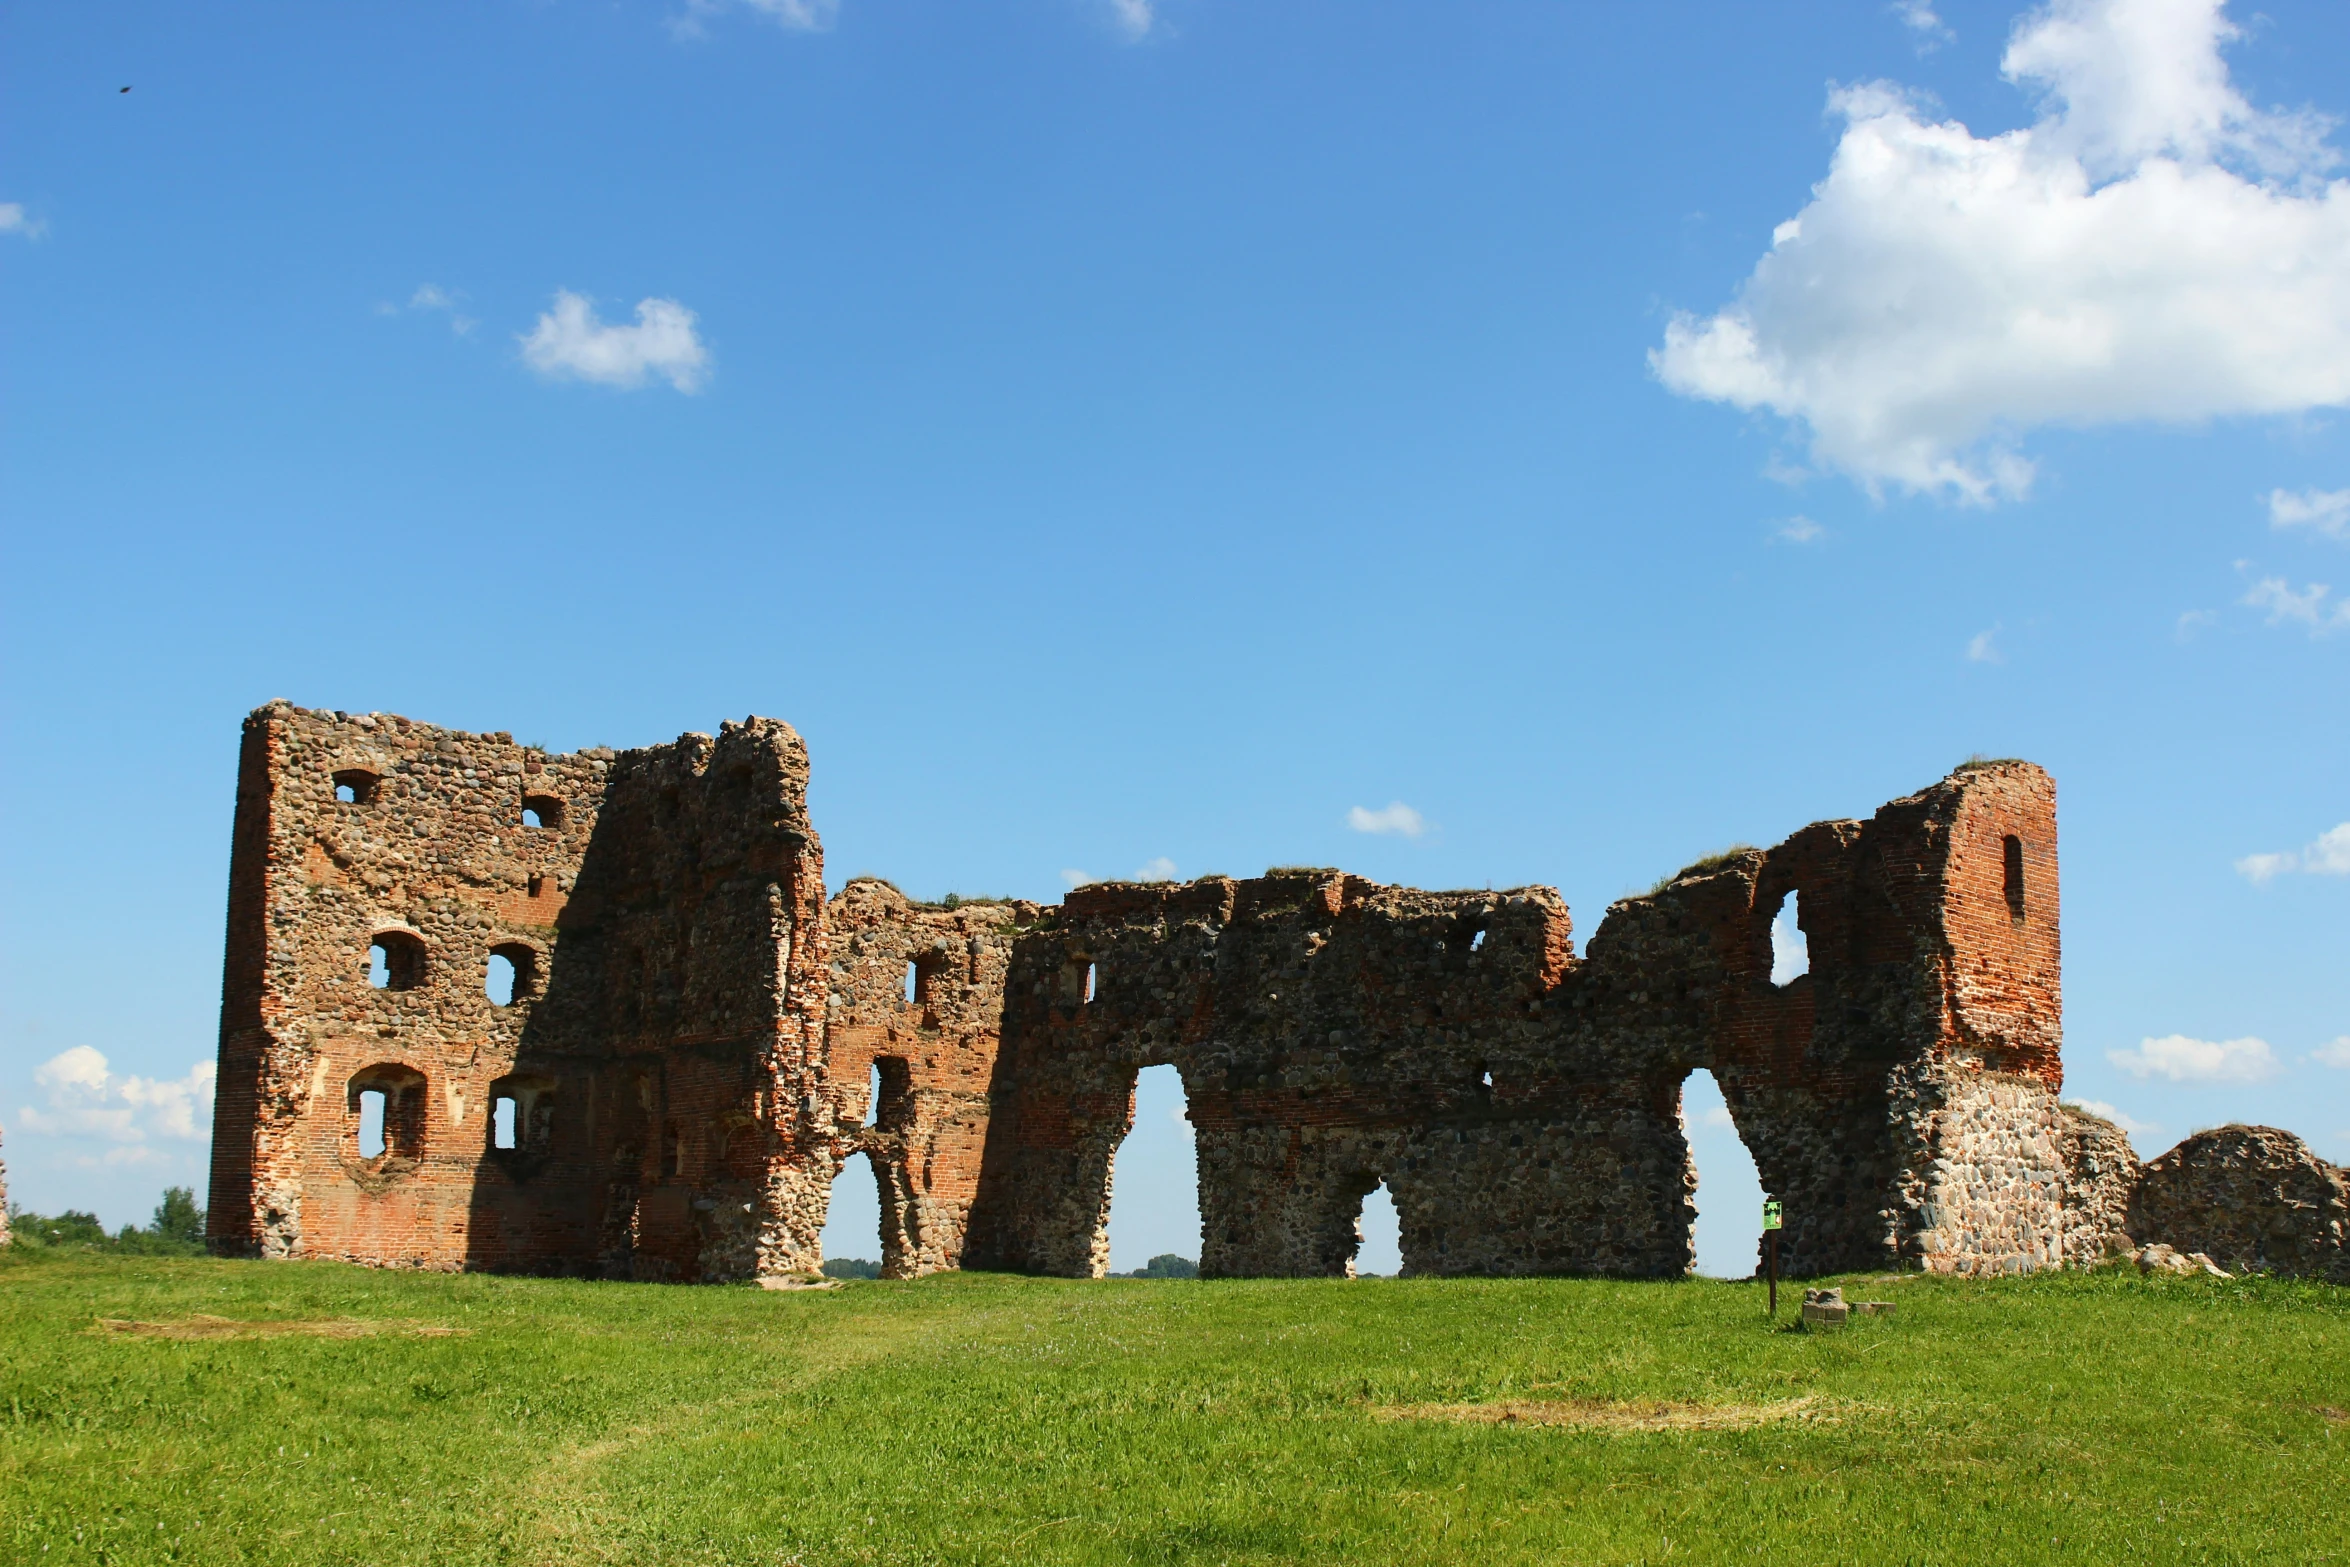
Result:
[[163, 1409]]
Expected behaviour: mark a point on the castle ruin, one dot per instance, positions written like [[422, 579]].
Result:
[[696, 1040]]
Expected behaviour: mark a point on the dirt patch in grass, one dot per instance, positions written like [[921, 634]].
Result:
[[201, 1326], [1593, 1414]]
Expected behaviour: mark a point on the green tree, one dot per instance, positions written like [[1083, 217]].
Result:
[[177, 1217]]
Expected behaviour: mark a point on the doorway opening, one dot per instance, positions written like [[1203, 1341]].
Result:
[[1729, 1192], [1154, 1186], [852, 1224], [1380, 1256]]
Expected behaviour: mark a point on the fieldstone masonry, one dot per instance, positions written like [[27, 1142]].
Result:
[[696, 1042]]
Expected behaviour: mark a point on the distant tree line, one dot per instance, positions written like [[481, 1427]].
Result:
[[1164, 1266], [176, 1230]]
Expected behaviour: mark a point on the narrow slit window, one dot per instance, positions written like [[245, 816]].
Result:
[[371, 1123], [502, 1117], [1790, 950], [1477, 942], [2014, 877], [1089, 979], [913, 982], [672, 1151]]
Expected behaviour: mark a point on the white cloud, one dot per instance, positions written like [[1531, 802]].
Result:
[[2285, 604], [1134, 18], [2334, 1052], [1160, 869], [86, 1099], [1077, 879], [2185, 1060], [1717, 1118], [14, 221], [1182, 1122], [2320, 511], [1983, 648], [430, 296], [1800, 530], [2128, 1123], [799, 16], [2328, 855], [569, 341], [1395, 818], [1919, 17], [2153, 248]]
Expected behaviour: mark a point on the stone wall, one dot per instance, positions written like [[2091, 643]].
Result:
[[649, 1055], [2250, 1197], [701, 1042]]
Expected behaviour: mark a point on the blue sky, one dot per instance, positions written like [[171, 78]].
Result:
[[1137, 437]]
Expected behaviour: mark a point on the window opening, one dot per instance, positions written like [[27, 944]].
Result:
[[852, 1223], [502, 1117], [538, 886], [889, 1106], [1089, 976], [1379, 1236], [541, 810], [2013, 857], [513, 973], [371, 1123], [1729, 1193], [355, 787], [1790, 950], [873, 1095], [672, 1151], [397, 961], [1485, 1079], [1154, 1182], [1477, 942], [387, 1106]]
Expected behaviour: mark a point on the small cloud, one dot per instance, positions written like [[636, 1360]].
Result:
[[1983, 648], [1395, 819], [1076, 879], [797, 16], [2284, 604], [570, 342], [2151, 1130], [86, 1099], [1133, 18], [2327, 855], [1182, 1121], [1716, 1118], [2320, 511], [1779, 470], [1800, 530], [14, 221], [1160, 869], [2334, 1053], [1918, 16], [430, 296], [2192, 623], [2185, 1060]]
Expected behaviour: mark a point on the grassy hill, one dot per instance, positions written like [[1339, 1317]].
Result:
[[158, 1409]]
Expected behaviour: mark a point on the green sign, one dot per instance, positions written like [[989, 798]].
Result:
[[1770, 1216]]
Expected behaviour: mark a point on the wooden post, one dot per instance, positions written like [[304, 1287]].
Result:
[[1773, 1216], [1773, 1239]]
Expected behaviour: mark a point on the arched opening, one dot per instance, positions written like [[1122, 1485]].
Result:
[[396, 960], [1729, 1193], [541, 810], [522, 1115], [1154, 1186], [356, 786], [513, 973], [1380, 1254], [1790, 951], [384, 1109], [852, 1224]]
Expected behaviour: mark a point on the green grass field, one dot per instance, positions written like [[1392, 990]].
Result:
[[2094, 1418]]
